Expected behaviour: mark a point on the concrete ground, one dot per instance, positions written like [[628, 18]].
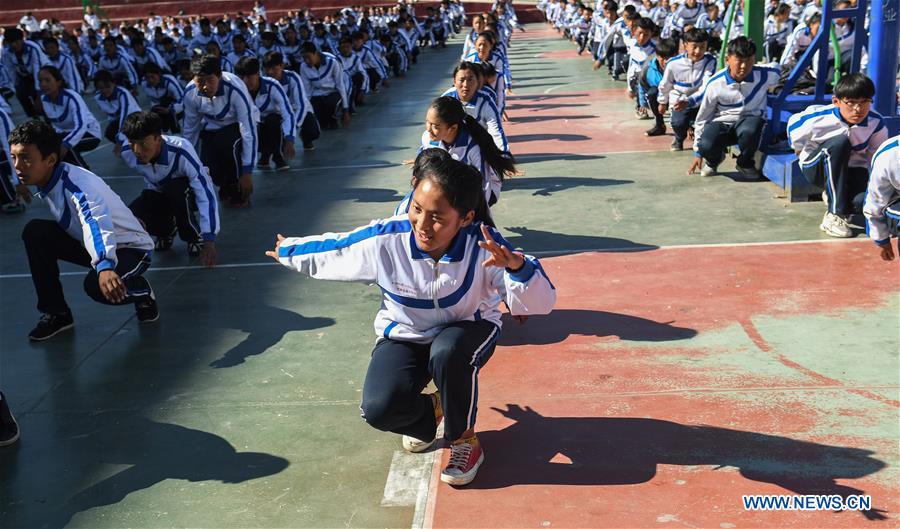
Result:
[[709, 342]]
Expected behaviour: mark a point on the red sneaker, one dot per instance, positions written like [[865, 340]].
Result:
[[465, 458]]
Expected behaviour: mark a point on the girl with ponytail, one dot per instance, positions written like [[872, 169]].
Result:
[[448, 127]]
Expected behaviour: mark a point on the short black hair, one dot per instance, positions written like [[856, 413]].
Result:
[[854, 86], [611, 6], [12, 34], [103, 77], [667, 48], [152, 67], [647, 24], [782, 9], [308, 47], [488, 69], [206, 64], [50, 40], [695, 34], [742, 48], [471, 66], [814, 18], [39, 133], [139, 125], [272, 59], [629, 10], [246, 66]]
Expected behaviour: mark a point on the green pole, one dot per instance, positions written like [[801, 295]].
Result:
[[836, 48], [727, 35], [755, 24]]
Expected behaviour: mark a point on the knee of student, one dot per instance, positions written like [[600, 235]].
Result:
[[92, 287], [36, 231], [377, 410]]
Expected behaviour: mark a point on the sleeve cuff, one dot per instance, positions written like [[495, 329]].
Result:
[[697, 155], [209, 237], [105, 264], [883, 242], [523, 275]]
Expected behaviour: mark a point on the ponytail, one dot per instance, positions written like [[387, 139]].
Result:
[[502, 163]]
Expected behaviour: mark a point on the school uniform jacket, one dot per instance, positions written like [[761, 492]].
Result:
[[725, 100], [90, 212], [464, 149], [118, 107], [819, 123], [119, 64], [178, 159], [229, 105], [69, 70], [150, 55], [6, 126], [30, 63], [272, 99], [884, 189], [296, 93], [168, 86], [70, 115], [682, 77], [372, 61], [484, 109], [421, 295], [326, 79]]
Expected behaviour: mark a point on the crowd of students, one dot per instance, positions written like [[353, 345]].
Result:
[[664, 51], [195, 112]]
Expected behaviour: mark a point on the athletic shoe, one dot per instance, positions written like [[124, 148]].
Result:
[[194, 248], [657, 130], [163, 243], [50, 325], [466, 457], [642, 113], [677, 145], [411, 444], [9, 428], [835, 226], [309, 147], [707, 170], [13, 208], [263, 165], [147, 311], [282, 167], [749, 173]]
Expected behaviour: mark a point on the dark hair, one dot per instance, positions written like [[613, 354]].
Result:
[[152, 67], [611, 6], [472, 66], [451, 112], [489, 36], [56, 74], [487, 69], [629, 10], [139, 125], [239, 37], [815, 18], [272, 59], [103, 77], [742, 48], [308, 47], [206, 64], [51, 40], [854, 86], [462, 186], [667, 48], [423, 159], [138, 40], [12, 34], [695, 34], [782, 9], [647, 24], [38, 133], [246, 66]]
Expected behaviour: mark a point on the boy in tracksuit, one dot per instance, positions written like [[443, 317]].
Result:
[[682, 78], [221, 116], [166, 96], [307, 124], [176, 184], [882, 207], [91, 227], [650, 78], [641, 53], [117, 103], [323, 79], [277, 123], [835, 144]]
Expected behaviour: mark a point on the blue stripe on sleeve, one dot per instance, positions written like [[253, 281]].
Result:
[[328, 245]]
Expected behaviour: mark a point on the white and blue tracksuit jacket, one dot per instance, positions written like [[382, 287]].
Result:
[[296, 92], [820, 123], [421, 295], [272, 99], [90, 212], [229, 105], [168, 86], [464, 149], [70, 115], [325, 79], [178, 159], [683, 77], [483, 108], [119, 64], [28, 64], [6, 126], [118, 107], [883, 190], [69, 70]]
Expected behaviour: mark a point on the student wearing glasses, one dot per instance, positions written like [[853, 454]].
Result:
[[835, 144]]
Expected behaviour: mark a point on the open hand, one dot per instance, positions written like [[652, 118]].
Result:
[[501, 256], [274, 253]]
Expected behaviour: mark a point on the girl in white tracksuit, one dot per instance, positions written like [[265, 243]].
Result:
[[69, 115], [441, 269]]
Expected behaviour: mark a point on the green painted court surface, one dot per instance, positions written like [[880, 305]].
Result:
[[681, 370]]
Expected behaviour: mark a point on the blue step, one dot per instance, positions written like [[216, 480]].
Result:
[[783, 171]]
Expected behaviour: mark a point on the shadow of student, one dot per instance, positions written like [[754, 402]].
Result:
[[626, 451], [546, 186], [155, 452], [369, 194], [522, 138], [535, 119], [540, 241], [265, 328], [557, 326]]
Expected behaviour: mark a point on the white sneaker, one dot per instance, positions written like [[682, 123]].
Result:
[[835, 226], [825, 198], [415, 446], [707, 170]]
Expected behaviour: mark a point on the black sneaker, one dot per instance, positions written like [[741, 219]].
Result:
[[194, 248], [50, 325], [163, 243], [657, 130], [147, 311], [282, 167], [9, 428]]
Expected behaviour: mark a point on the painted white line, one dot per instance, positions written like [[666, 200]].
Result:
[[404, 482], [552, 88], [540, 253], [314, 168]]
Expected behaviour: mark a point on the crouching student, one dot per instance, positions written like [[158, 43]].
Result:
[[277, 123], [176, 184], [165, 94], [444, 323], [323, 79], [683, 77], [118, 104], [835, 144], [66, 110], [733, 111], [91, 227], [273, 66], [650, 78], [882, 207], [640, 53]]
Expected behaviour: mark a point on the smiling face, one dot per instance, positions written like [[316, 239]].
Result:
[[438, 129], [695, 50], [434, 221]]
